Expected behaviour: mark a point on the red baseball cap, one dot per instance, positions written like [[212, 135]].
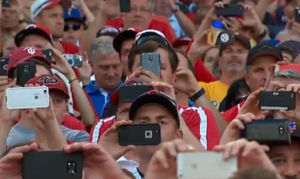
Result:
[[181, 41], [22, 54], [33, 29], [52, 82], [128, 34], [116, 95]]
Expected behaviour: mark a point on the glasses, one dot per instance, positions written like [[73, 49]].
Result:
[[156, 38], [74, 27]]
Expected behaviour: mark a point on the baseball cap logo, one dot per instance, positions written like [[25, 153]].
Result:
[[31, 26], [30, 50], [46, 80]]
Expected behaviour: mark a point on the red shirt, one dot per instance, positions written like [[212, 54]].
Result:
[[73, 123], [231, 113], [200, 121], [159, 23], [201, 73]]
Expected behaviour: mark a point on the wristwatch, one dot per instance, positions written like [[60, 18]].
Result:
[[175, 9]]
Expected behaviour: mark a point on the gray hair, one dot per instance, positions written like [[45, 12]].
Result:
[[102, 45], [287, 74], [287, 32]]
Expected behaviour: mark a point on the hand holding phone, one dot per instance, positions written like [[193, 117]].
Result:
[[74, 60], [139, 134], [277, 100], [151, 62], [230, 11]]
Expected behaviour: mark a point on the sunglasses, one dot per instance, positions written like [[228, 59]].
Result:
[[158, 39], [74, 27]]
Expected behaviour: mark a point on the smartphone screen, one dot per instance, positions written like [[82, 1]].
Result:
[[199, 165]]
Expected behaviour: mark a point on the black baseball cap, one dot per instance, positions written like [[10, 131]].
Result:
[[156, 97], [263, 49], [110, 31], [128, 34], [244, 40]]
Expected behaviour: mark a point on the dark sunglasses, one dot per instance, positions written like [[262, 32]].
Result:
[[74, 27], [158, 39]]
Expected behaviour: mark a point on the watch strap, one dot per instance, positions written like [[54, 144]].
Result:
[[197, 95]]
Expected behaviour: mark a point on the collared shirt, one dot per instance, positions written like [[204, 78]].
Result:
[[98, 96], [176, 26]]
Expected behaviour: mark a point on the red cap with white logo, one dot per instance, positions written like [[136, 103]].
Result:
[[128, 34], [23, 54], [33, 29]]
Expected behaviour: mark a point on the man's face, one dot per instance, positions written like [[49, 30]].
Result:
[[157, 114], [260, 71], [60, 104], [286, 159], [53, 19], [10, 18], [108, 70], [140, 15], [73, 31], [125, 49], [165, 70], [233, 58], [36, 41]]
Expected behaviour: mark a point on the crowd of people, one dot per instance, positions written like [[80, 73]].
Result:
[[79, 88]]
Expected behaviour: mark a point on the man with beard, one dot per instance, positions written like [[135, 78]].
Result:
[[231, 63], [51, 15]]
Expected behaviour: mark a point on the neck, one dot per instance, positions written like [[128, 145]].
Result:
[[229, 78], [26, 123], [182, 99]]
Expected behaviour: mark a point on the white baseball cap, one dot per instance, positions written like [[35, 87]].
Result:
[[149, 31], [39, 5]]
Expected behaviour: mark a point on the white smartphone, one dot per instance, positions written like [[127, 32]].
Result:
[[27, 97], [205, 165]]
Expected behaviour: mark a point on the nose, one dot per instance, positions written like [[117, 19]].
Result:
[[290, 172], [110, 72]]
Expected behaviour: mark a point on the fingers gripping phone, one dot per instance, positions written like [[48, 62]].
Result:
[[198, 165], [25, 71], [230, 11], [268, 131], [139, 134], [52, 164], [151, 62], [3, 66], [27, 97], [74, 60], [277, 100]]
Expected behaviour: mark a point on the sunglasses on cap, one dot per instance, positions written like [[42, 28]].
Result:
[[74, 27], [158, 39]]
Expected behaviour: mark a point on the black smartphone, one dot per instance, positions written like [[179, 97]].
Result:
[[277, 100], [125, 6], [6, 3], [25, 71], [268, 131], [3, 66], [151, 62], [52, 164], [128, 94], [297, 14], [48, 54], [230, 11], [139, 134], [225, 38], [74, 60]]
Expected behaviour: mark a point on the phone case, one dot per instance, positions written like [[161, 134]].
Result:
[[3, 66], [27, 97], [199, 165], [151, 62], [139, 134], [52, 164], [125, 6], [230, 11], [129, 93], [74, 60], [277, 100], [25, 71]]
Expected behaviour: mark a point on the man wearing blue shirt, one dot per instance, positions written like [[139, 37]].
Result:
[[107, 68]]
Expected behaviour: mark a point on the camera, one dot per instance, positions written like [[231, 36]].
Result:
[[74, 60], [71, 168], [148, 134]]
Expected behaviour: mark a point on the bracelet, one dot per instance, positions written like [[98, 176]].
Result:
[[262, 35], [197, 95], [70, 81]]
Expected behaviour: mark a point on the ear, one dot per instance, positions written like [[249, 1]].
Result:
[[173, 78], [179, 134]]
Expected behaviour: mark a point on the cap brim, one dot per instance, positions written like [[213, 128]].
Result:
[[152, 98], [121, 37], [30, 31]]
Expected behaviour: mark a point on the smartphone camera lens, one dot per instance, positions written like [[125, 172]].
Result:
[[281, 130], [150, 59], [71, 168]]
